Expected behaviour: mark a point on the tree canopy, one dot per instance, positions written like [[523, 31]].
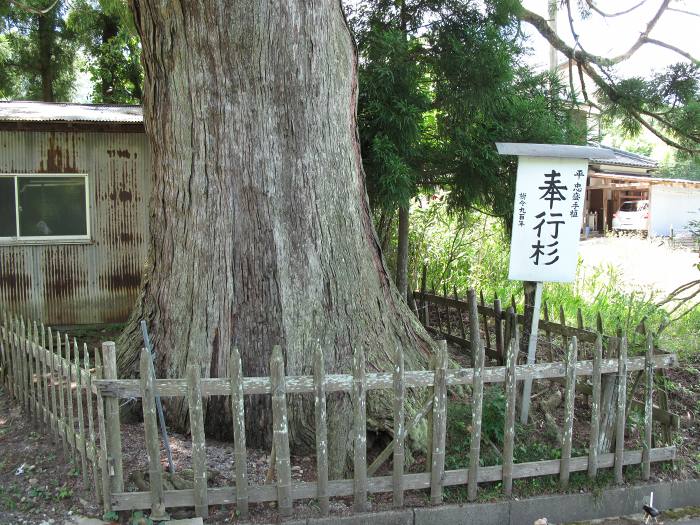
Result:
[[45, 46]]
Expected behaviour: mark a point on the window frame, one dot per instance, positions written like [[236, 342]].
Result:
[[48, 239]]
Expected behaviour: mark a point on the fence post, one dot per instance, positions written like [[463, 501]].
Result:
[[485, 319], [70, 421], [509, 424], [199, 453], [595, 408], [477, 402], [91, 425], [399, 426], [281, 433], [32, 336], [62, 428], [104, 447], [648, 407], [439, 424], [235, 374], [462, 331], [498, 328], [359, 402], [474, 335], [114, 439], [148, 402], [82, 445], [569, 399], [321, 431], [45, 378], [621, 416], [447, 309]]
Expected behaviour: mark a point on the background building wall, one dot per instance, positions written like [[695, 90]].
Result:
[[673, 207], [81, 282]]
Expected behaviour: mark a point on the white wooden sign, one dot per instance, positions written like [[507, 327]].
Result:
[[549, 199]]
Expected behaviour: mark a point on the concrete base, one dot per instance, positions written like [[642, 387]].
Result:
[[557, 509]]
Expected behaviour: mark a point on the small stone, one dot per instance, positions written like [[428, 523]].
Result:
[[33, 481]]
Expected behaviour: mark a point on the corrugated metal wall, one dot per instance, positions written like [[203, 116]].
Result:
[[91, 282]]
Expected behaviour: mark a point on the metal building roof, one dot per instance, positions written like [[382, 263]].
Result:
[[626, 158], [24, 111], [551, 150]]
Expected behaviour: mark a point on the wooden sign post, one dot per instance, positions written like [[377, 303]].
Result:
[[549, 201]]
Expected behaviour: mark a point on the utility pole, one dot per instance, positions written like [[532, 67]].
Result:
[[553, 26]]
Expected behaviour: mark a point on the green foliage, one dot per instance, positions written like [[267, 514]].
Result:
[[440, 83], [37, 53], [669, 100], [471, 250], [391, 104], [105, 30]]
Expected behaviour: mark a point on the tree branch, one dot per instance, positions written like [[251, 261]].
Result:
[[611, 15], [644, 36], [672, 48], [683, 11], [33, 10]]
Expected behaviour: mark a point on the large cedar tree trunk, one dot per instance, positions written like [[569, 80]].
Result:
[[260, 227]]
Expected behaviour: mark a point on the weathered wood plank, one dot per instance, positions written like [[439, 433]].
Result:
[[51, 359], [70, 416], [439, 429], [621, 416], [584, 335], [321, 423], [509, 420], [112, 422], [447, 311], [399, 427], [128, 388], [340, 488], [45, 378], [104, 447], [283, 466], [485, 321], [648, 406], [82, 449], [498, 328], [474, 335], [60, 384], [238, 415], [359, 403], [462, 331], [155, 471], [477, 406], [569, 398], [199, 452], [91, 424], [595, 409]]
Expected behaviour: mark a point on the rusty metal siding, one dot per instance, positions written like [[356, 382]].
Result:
[[81, 282]]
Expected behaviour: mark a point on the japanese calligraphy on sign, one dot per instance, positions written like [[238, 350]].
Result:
[[549, 198]]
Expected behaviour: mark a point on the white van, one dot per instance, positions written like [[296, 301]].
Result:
[[632, 215]]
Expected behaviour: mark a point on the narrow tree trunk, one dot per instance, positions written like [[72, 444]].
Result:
[[110, 28], [402, 253], [260, 225], [46, 42]]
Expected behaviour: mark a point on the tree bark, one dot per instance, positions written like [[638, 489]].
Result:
[[46, 30], [402, 253], [260, 225]]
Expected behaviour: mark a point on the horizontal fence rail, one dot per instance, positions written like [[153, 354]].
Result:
[[78, 396]]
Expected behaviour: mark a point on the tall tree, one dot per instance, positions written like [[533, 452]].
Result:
[[37, 52], [392, 103], [260, 229]]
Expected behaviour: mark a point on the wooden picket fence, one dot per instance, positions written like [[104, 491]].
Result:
[[51, 382]]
